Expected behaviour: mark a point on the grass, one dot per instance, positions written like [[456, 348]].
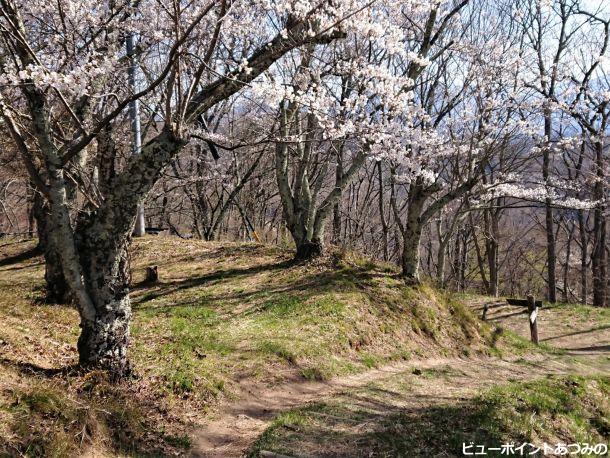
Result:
[[243, 309], [43, 416], [569, 409], [221, 313], [372, 422]]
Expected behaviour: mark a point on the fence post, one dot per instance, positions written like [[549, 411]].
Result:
[[533, 315], [485, 309]]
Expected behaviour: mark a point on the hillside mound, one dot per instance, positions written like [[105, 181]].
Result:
[[222, 313]]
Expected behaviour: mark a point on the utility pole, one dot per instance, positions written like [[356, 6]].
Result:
[[134, 114]]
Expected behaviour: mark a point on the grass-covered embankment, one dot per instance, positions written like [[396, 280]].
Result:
[[222, 313]]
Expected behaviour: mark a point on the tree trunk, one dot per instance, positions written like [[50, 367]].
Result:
[[384, 223], [57, 290], [463, 239], [31, 202], [480, 258], [492, 236], [550, 234], [598, 261], [566, 267], [337, 206], [598, 256], [410, 255], [440, 266], [411, 236], [104, 338], [440, 254], [551, 255], [584, 291], [309, 249]]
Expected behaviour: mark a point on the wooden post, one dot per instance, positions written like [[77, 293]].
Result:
[[485, 309], [533, 315]]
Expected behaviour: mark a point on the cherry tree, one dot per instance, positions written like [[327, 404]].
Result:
[[64, 87]]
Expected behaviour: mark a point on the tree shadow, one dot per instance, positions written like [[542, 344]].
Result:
[[506, 315], [306, 286], [593, 349], [168, 287], [20, 257], [365, 425], [27, 368], [576, 333]]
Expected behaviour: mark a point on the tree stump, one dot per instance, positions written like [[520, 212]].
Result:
[[152, 274]]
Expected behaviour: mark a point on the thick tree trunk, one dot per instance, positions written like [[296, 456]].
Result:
[[309, 249], [104, 338], [57, 290], [410, 254]]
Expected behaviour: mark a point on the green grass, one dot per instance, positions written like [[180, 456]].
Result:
[[370, 420], [225, 312], [575, 408], [43, 419], [600, 314], [220, 314], [244, 310]]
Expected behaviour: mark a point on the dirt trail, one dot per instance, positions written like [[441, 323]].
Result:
[[238, 424]]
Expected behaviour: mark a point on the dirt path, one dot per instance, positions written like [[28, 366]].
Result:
[[238, 424]]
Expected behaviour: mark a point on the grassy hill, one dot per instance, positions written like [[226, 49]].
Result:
[[222, 313], [223, 316]]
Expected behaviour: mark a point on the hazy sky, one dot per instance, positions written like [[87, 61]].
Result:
[[594, 5]]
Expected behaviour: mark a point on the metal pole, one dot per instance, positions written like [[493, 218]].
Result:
[[134, 114]]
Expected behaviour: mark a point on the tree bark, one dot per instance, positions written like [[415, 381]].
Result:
[[584, 290], [598, 256], [411, 235], [550, 233], [56, 287], [309, 249], [492, 247], [566, 266], [104, 338], [337, 206], [384, 223]]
